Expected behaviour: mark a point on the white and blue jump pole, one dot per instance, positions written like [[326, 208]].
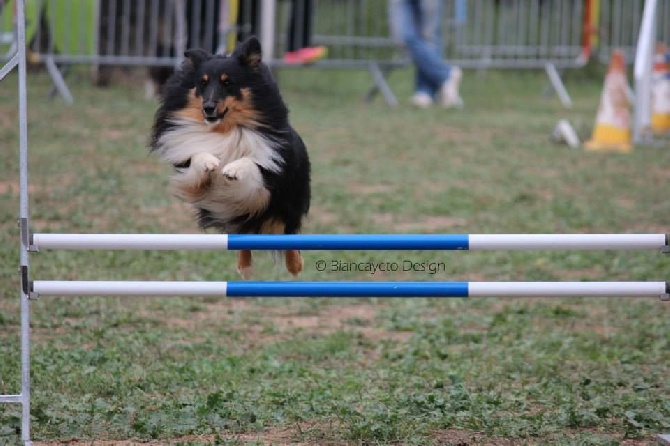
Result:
[[453, 242], [351, 289], [342, 242]]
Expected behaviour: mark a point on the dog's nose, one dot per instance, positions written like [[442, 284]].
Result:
[[209, 109]]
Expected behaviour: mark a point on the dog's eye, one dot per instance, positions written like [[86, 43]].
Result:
[[226, 82]]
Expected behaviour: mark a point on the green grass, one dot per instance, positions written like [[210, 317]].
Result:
[[196, 371]]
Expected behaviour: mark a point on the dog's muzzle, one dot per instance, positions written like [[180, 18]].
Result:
[[212, 116]]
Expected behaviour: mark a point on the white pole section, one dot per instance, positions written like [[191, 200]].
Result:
[[566, 241], [131, 241], [567, 289], [127, 288]]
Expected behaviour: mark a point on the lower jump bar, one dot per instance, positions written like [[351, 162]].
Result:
[[351, 289], [463, 242]]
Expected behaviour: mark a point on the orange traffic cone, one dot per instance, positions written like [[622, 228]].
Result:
[[660, 93], [612, 130]]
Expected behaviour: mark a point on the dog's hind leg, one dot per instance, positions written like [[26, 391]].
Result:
[[294, 262], [244, 263], [292, 257]]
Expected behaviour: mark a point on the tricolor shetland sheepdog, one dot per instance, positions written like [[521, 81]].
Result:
[[224, 126]]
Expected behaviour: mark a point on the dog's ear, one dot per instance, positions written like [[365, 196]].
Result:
[[196, 56], [249, 52]]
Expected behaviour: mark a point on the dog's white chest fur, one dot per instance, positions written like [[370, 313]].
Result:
[[189, 138], [223, 176]]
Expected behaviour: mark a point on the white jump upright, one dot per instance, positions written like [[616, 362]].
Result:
[[18, 60], [642, 74]]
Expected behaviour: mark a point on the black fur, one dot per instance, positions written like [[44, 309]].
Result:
[[290, 187]]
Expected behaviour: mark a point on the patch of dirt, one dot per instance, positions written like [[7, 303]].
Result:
[[367, 189], [323, 216], [176, 218], [39, 185], [428, 223], [12, 187], [282, 435], [306, 433], [458, 437], [358, 318]]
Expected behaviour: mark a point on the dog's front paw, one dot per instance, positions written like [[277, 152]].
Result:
[[205, 162], [231, 172], [238, 169]]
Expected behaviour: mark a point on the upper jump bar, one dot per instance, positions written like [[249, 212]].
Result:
[[388, 242]]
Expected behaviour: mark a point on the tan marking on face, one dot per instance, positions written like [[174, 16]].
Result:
[[205, 78], [240, 113], [223, 78], [193, 109]]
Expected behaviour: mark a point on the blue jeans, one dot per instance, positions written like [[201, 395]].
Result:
[[416, 24]]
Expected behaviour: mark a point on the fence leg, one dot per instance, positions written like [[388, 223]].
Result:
[[53, 91], [557, 84], [58, 81], [380, 84], [9, 66]]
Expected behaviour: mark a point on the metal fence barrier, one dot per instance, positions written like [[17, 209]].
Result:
[[510, 34], [480, 34]]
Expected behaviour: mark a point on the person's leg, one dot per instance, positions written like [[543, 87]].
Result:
[[425, 54], [403, 19], [427, 23], [432, 12]]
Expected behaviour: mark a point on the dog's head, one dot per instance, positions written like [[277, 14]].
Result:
[[224, 90]]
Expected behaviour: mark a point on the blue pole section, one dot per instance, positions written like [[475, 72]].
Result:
[[378, 242], [347, 289]]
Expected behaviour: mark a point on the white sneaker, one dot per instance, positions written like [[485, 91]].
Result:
[[449, 91], [422, 100]]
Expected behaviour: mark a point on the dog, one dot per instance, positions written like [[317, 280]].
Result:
[[223, 124]]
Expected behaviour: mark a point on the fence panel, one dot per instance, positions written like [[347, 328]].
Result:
[[477, 33]]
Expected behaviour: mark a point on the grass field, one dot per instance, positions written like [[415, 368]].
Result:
[[196, 371]]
